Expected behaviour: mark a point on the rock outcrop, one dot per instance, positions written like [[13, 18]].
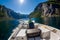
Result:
[[48, 8], [6, 13]]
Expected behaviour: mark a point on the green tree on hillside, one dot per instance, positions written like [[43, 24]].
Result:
[[51, 0], [36, 14], [1, 11]]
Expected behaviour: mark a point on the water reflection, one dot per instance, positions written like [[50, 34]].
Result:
[[6, 28], [51, 21]]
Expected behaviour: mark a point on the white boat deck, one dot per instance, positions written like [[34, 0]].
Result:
[[21, 33], [54, 33]]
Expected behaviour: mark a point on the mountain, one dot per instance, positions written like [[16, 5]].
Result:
[[6, 13], [49, 8]]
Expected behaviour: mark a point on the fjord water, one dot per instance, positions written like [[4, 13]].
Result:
[[51, 21], [6, 28]]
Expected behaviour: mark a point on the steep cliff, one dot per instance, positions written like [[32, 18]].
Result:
[[48, 8], [6, 13]]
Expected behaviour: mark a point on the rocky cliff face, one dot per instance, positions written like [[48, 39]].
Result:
[[49, 8], [6, 13]]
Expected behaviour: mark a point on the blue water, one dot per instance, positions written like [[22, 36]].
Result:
[[6, 28], [51, 21]]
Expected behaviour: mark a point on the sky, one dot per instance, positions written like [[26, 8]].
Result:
[[21, 6]]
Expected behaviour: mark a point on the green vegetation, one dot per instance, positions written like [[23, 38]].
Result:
[[35, 14], [1, 11], [38, 12], [52, 0]]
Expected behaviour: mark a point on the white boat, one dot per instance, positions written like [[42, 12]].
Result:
[[47, 32]]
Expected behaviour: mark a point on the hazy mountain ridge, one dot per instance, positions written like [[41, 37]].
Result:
[[48, 8], [6, 13]]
